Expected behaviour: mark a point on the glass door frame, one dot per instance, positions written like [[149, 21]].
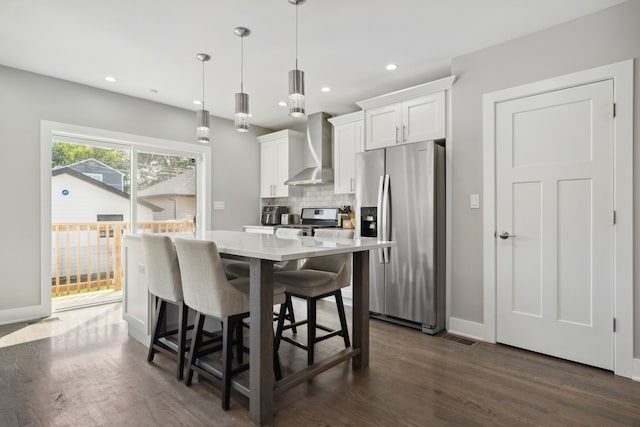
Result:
[[62, 132]]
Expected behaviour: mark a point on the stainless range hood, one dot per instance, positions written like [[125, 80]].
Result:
[[317, 153]]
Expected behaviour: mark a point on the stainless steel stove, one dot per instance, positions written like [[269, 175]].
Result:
[[314, 218]]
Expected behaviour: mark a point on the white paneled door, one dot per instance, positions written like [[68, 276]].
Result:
[[555, 220]]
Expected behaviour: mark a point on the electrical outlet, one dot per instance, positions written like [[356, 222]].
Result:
[[474, 201], [141, 268], [218, 205]]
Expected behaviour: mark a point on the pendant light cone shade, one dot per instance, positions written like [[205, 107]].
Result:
[[242, 112], [296, 93], [242, 115], [296, 100], [203, 128]]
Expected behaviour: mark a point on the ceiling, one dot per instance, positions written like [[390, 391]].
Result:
[[344, 44]]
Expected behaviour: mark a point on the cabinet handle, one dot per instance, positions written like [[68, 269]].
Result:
[[404, 137], [351, 184], [397, 131]]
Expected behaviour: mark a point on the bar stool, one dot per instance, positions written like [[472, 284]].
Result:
[[164, 282], [318, 277], [208, 291], [241, 269]]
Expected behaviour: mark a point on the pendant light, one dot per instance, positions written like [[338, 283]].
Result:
[[202, 117], [296, 78], [242, 99]]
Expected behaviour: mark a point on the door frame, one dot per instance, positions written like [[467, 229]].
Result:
[[622, 75], [50, 130]]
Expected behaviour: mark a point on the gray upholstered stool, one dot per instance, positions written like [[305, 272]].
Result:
[[163, 280], [208, 291], [318, 277]]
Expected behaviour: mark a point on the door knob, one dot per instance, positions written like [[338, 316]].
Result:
[[505, 235]]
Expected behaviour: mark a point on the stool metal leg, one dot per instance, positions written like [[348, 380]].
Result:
[[195, 346], [183, 312], [311, 329], [343, 318]]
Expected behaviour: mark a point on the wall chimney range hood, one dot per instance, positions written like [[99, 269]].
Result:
[[317, 153]]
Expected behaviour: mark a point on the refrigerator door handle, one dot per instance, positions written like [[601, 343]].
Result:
[[386, 232], [379, 212]]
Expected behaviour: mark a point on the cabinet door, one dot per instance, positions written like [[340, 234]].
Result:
[[281, 167], [267, 169], [383, 126], [423, 118], [344, 150]]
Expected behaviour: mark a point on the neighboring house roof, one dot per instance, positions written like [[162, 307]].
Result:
[[82, 177], [181, 185], [86, 161]]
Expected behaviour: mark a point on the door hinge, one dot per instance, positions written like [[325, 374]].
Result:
[[614, 109], [614, 324], [615, 217]]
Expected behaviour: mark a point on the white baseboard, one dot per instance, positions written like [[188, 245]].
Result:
[[466, 328], [636, 370], [21, 314]]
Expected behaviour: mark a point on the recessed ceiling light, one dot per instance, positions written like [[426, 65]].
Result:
[[111, 79], [326, 89], [391, 67], [153, 90], [197, 102], [282, 104]]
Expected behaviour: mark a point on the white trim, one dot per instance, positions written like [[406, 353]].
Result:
[[346, 118], [287, 133], [64, 131], [448, 182], [636, 370], [622, 74], [466, 328], [408, 93], [21, 314]]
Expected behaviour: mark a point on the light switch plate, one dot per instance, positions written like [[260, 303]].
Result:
[[474, 201], [218, 205]]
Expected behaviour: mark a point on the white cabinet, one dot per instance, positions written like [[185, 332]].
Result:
[[406, 116], [280, 158], [383, 126], [414, 120], [348, 139]]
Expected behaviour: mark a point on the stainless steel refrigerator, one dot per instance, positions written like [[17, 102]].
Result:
[[400, 195]]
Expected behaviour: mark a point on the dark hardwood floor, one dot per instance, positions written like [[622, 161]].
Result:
[[82, 369]]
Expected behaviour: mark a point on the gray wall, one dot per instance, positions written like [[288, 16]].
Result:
[[610, 36], [28, 98]]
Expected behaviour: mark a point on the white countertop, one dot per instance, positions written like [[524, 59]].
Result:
[[270, 247], [262, 227]]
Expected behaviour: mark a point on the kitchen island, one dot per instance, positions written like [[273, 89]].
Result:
[[262, 251]]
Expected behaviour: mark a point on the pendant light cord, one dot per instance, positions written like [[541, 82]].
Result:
[[242, 64], [296, 36], [203, 84]]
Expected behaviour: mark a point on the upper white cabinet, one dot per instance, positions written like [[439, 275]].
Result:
[[348, 139], [410, 115], [280, 158]]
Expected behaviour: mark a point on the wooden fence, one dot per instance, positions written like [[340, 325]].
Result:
[[87, 256]]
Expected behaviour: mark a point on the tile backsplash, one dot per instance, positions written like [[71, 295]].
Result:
[[315, 196]]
